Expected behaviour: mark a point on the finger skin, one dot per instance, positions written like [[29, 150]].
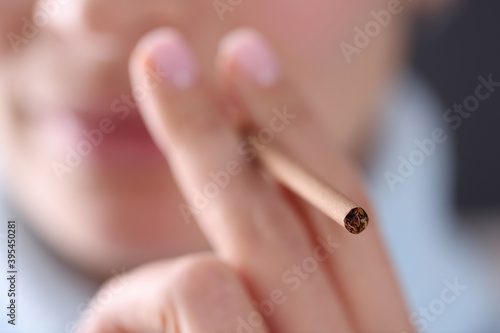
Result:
[[193, 294], [248, 222], [359, 267]]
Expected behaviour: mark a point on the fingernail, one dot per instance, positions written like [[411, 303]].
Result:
[[173, 58], [253, 54]]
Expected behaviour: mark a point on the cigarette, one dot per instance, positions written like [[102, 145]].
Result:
[[313, 190]]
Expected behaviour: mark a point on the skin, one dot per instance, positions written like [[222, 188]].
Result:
[[101, 218]]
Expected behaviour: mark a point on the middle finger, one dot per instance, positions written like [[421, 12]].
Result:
[[359, 267]]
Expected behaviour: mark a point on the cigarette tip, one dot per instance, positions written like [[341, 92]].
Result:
[[356, 220]]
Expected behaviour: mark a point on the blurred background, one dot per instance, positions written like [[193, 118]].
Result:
[[450, 54]]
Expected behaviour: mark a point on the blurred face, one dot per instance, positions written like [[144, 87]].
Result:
[[80, 162]]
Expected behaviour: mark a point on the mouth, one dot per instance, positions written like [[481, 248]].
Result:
[[114, 137]]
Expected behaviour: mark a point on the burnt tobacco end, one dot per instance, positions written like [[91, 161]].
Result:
[[356, 220]]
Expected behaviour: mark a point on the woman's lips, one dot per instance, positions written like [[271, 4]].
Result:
[[128, 144], [107, 141]]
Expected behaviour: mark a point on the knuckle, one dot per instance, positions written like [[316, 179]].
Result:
[[199, 275], [203, 279], [194, 121], [205, 290]]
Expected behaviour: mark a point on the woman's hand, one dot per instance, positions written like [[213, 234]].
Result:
[[272, 252]]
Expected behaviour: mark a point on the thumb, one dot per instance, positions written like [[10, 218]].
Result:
[[193, 294]]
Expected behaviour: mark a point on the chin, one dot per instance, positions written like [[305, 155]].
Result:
[[102, 222]]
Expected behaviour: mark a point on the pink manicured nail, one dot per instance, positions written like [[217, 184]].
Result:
[[253, 54], [174, 59]]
